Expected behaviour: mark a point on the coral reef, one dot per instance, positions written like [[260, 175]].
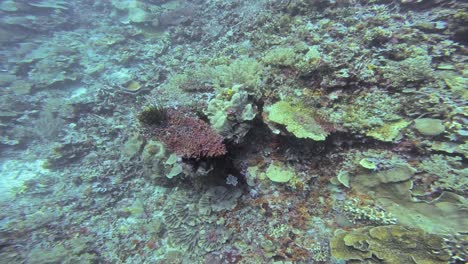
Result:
[[231, 112], [191, 224], [269, 131], [391, 244], [185, 135], [298, 120]]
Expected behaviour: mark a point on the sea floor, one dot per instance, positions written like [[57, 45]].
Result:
[[214, 131]]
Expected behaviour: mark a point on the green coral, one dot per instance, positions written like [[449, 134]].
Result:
[[300, 56], [278, 173], [389, 244], [153, 150], [368, 164], [132, 147], [374, 113], [243, 71], [429, 126], [231, 111], [297, 119], [281, 57], [389, 131], [174, 166], [449, 172], [415, 69], [392, 190]]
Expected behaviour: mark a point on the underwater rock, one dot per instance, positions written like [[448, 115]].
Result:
[[279, 173], [50, 4], [21, 87], [134, 9], [9, 6], [176, 16]]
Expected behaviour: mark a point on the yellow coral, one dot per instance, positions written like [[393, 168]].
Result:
[[298, 120]]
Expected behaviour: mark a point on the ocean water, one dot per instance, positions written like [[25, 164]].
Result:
[[217, 131]]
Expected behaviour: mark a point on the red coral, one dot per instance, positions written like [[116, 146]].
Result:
[[190, 137]]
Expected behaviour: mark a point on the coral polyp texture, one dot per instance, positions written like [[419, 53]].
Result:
[[233, 132], [184, 134]]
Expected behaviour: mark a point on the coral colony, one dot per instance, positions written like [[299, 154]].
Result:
[[218, 131]]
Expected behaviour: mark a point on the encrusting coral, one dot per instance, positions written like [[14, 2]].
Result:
[[391, 244]]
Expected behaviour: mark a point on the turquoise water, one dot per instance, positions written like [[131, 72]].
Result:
[[215, 131]]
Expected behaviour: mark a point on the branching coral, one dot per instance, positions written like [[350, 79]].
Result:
[[373, 214], [188, 136]]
